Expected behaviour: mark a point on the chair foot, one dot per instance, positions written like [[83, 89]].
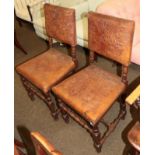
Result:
[[55, 115], [98, 148], [65, 117], [96, 135], [31, 95]]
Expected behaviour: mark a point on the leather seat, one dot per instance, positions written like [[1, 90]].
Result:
[[42, 72], [90, 92], [46, 69], [87, 95]]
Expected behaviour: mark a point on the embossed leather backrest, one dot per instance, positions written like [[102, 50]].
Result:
[[111, 37], [60, 23]]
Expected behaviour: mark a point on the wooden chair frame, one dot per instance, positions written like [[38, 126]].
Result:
[[96, 135], [31, 89]]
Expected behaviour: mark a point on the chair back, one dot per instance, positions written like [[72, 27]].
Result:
[[42, 146], [110, 37], [60, 23]]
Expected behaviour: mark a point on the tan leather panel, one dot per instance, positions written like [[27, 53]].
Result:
[[110, 36], [90, 92], [59, 18], [134, 136], [46, 69]]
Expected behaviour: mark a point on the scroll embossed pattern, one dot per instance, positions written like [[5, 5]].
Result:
[[64, 21], [113, 39]]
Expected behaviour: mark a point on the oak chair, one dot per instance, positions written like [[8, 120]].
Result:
[[42, 146], [88, 95], [42, 72]]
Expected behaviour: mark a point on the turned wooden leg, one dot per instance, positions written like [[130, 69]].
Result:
[[65, 116], [50, 105], [123, 106], [96, 138], [63, 113], [29, 91], [57, 109]]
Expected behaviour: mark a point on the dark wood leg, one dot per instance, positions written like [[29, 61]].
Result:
[[123, 106], [63, 113], [96, 138], [50, 105], [29, 91], [65, 116], [123, 96], [57, 111]]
